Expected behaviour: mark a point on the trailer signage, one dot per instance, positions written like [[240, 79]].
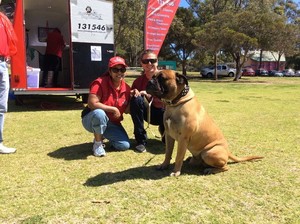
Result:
[[92, 21]]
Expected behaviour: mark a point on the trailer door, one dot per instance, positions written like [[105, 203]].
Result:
[[92, 39]]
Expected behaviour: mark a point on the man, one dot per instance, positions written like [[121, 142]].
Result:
[[54, 51], [7, 49], [138, 106]]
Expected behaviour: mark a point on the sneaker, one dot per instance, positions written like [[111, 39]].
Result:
[[141, 148], [6, 150], [98, 149]]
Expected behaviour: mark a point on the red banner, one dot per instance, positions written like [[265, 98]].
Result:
[[158, 18]]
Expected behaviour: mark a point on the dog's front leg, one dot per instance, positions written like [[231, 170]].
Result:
[[168, 154], [181, 150]]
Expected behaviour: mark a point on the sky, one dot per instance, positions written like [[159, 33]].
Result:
[[184, 4]]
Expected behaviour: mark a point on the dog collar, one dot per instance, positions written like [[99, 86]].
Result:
[[177, 98]]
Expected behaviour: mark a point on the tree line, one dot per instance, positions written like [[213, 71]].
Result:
[[214, 31]]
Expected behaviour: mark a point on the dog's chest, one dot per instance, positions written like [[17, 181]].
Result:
[[175, 122]]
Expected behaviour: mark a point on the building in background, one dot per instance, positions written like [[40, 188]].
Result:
[[269, 60]]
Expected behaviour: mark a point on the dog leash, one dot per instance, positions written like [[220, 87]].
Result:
[[148, 105]]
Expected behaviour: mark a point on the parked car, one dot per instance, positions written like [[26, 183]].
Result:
[[248, 72], [275, 73], [261, 72], [222, 70], [288, 72], [297, 73]]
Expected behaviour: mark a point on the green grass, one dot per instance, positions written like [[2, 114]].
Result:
[[53, 177]]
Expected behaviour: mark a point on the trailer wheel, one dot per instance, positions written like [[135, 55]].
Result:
[[84, 98]]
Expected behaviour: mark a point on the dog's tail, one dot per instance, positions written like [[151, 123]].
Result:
[[243, 159]]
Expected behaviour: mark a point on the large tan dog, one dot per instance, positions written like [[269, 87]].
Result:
[[187, 122]]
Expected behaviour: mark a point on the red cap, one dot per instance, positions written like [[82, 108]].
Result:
[[116, 61]]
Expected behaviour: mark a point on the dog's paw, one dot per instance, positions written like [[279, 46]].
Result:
[[175, 174]]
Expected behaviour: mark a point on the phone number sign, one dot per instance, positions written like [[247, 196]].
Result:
[[92, 21]]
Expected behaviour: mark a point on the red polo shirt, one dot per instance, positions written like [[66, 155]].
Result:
[[104, 89]]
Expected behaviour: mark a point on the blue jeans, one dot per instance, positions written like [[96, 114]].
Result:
[[97, 122], [4, 89]]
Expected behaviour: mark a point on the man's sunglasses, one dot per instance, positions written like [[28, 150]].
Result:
[[116, 70], [146, 61]]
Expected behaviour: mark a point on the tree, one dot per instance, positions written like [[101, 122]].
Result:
[[285, 41], [288, 9], [128, 28], [232, 33], [211, 38], [181, 36], [206, 10], [248, 23]]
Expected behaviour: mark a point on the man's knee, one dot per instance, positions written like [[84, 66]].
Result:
[[136, 101]]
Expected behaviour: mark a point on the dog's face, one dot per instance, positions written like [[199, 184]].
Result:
[[166, 84]]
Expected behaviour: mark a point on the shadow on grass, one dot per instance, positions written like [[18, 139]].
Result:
[[74, 152], [82, 151], [143, 172], [154, 146], [44, 103]]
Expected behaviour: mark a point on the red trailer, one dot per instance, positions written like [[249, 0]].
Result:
[[87, 27]]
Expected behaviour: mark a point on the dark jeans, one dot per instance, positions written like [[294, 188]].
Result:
[[139, 114], [52, 63]]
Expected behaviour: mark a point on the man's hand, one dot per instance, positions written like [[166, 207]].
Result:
[[135, 93]]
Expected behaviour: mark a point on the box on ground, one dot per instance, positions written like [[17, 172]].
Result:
[[33, 77]]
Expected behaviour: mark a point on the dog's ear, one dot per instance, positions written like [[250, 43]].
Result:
[[181, 79]]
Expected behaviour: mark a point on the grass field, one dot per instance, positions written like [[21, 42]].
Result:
[[54, 178]]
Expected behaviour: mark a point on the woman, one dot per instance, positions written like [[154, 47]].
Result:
[[149, 63], [108, 99]]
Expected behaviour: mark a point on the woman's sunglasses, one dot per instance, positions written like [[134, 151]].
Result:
[[116, 70], [146, 61]]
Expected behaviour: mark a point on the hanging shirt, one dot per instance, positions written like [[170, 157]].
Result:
[[55, 43]]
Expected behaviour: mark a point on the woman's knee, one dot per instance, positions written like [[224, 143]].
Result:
[[99, 114], [94, 120]]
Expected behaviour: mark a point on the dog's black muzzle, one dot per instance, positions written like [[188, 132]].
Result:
[[154, 88]]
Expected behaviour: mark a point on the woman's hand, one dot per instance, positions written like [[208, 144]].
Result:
[[116, 113]]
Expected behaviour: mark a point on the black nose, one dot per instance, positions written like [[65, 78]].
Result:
[[150, 84]]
